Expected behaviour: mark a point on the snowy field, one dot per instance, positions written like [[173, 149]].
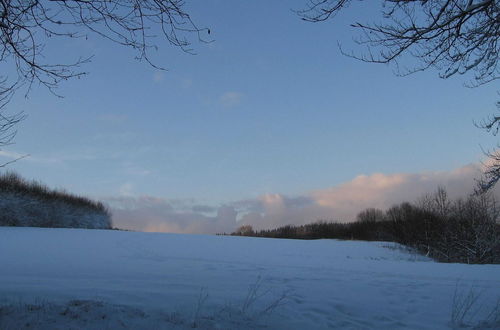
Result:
[[97, 279]]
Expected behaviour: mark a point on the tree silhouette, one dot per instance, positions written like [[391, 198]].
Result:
[[455, 37], [26, 25]]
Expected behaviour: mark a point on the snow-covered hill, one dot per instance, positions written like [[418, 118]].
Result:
[[72, 278], [25, 203], [24, 210]]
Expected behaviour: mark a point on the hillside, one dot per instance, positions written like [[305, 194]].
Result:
[[25, 203], [73, 278]]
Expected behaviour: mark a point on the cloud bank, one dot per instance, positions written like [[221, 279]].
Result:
[[338, 203], [230, 99]]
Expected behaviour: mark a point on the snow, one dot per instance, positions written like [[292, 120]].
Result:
[[24, 210], [76, 278]]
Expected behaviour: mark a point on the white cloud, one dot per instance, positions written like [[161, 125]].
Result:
[[113, 118], [384, 190], [11, 154], [126, 189], [147, 213], [158, 76], [339, 203], [186, 83], [231, 99]]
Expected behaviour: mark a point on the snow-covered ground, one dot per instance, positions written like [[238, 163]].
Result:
[[97, 279]]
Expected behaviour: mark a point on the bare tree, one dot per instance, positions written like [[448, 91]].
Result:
[[455, 37], [244, 230], [370, 215], [491, 174], [475, 230], [27, 25], [7, 122]]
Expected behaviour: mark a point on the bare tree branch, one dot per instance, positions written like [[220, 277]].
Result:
[[455, 37], [26, 25]]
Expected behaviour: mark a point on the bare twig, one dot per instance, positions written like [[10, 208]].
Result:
[[455, 37]]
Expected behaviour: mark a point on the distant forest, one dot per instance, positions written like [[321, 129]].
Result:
[[462, 230]]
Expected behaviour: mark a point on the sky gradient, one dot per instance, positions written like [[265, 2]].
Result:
[[269, 113]]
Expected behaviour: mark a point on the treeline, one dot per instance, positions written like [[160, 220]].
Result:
[[26, 203], [462, 230]]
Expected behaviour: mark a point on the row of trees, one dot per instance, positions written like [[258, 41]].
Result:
[[461, 230]]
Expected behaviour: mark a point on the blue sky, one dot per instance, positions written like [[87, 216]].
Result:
[[269, 107]]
